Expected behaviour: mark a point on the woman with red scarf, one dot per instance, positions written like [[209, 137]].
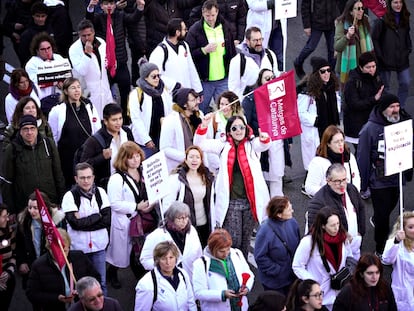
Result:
[[327, 241], [241, 191], [20, 86]]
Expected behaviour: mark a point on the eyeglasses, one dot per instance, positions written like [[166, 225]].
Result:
[[338, 182], [338, 142], [269, 78], [257, 40], [182, 218], [359, 8], [237, 127], [322, 71], [157, 76], [92, 299], [28, 129], [318, 295]]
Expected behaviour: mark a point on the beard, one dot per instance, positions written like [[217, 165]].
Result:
[[394, 118]]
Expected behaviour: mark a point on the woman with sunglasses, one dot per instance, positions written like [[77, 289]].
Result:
[[148, 104], [241, 190], [305, 295], [273, 160], [352, 38], [367, 289], [318, 105]]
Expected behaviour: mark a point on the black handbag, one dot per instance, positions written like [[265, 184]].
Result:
[[339, 279]]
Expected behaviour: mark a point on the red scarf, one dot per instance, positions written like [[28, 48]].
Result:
[[330, 242], [110, 46], [245, 170]]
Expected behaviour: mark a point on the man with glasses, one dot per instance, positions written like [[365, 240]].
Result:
[[252, 57], [92, 298], [343, 197], [88, 214], [173, 57], [30, 161]]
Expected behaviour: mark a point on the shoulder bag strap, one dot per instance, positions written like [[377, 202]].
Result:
[[283, 241]]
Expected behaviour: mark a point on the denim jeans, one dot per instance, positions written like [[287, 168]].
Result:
[[276, 45], [403, 83], [98, 261], [313, 42], [212, 89]]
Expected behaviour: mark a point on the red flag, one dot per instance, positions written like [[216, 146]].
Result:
[[277, 111], [378, 7], [110, 61], [51, 232]]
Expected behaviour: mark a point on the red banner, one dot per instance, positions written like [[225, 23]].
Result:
[[277, 111], [51, 232], [378, 7]]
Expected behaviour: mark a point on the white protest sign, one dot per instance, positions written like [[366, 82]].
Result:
[[53, 71], [398, 147], [155, 173], [285, 8]]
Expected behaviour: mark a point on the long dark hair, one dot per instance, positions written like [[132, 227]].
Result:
[[18, 111], [347, 17], [230, 123], [389, 17], [300, 288], [315, 83], [359, 288], [317, 230]]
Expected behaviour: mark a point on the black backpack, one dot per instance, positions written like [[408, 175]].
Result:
[[165, 49], [243, 61], [76, 197], [78, 153]]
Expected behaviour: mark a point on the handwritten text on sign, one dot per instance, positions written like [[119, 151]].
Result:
[[155, 173]]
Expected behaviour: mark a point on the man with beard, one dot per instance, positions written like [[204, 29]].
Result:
[[178, 127], [371, 162], [173, 57], [252, 57]]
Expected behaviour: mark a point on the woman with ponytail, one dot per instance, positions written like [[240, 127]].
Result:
[[305, 295]]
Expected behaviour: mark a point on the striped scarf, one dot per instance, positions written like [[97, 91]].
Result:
[[349, 57]]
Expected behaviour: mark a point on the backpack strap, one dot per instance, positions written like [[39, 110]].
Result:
[[76, 197], [98, 136], [270, 57], [165, 49], [154, 281], [242, 64]]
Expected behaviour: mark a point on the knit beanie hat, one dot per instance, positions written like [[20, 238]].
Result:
[[27, 120], [387, 100], [145, 68], [181, 96], [366, 58], [318, 62]]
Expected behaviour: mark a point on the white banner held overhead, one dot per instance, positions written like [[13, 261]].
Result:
[[155, 173], [285, 8], [398, 147]]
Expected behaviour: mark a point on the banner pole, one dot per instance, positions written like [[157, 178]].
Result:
[[401, 201]]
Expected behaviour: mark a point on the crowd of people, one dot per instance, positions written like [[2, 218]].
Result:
[[81, 123]]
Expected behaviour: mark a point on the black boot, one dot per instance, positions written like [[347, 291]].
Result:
[[112, 277]]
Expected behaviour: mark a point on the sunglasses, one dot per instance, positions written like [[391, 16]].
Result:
[[237, 127], [155, 76], [322, 71], [269, 78], [359, 8]]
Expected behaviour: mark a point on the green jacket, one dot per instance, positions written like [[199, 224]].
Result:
[[26, 168]]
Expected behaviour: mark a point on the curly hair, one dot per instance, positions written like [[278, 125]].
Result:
[[315, 83]]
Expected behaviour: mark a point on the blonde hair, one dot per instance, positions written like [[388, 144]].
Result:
[[408, 243]]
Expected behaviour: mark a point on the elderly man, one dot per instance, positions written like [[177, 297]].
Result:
[[92, 298], [343, 197], [30, 161], [371, 162]]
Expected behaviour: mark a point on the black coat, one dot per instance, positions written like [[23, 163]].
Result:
[[92, 153], [392, 46], [327, 197], [359, 100], [46, 282], [197, 39], [319, 14]]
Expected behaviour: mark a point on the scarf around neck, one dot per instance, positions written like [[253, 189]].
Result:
[[338, 157], [333, 248], [149, 89]]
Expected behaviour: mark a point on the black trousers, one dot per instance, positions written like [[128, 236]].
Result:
[[383, 201]]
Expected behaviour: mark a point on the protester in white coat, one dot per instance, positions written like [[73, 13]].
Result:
[[128, 196], [172, 284], [332, 149], [327, 236], [398, 251], [260, 15], [148, 104], [215, 291], [87, 55], [177, 228], [241, 191]]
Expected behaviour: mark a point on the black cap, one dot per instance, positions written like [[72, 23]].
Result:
[[318, 62], [27, 120], [387, 100]]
